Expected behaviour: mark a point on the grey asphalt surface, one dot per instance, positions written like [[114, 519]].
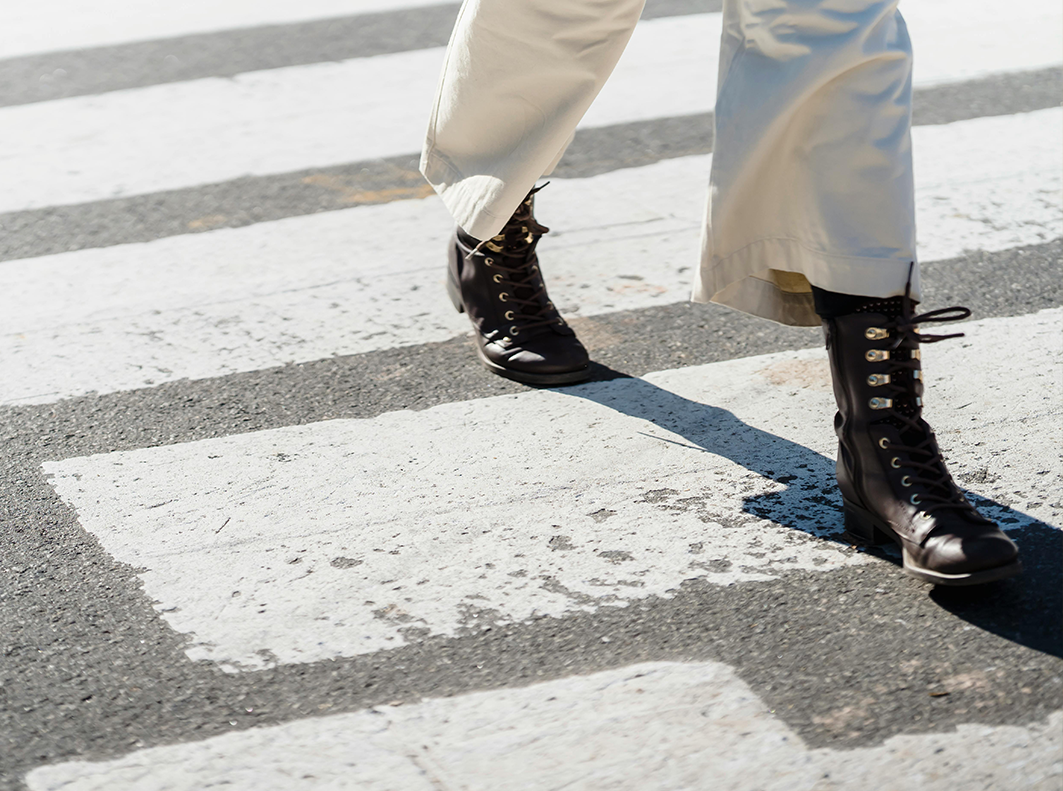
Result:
[[88, 669]]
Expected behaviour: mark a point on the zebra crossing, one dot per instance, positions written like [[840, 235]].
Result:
[[234, 300], [401, 540], [440, 580]]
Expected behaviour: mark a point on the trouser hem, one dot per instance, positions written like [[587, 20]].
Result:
[[772, 278]]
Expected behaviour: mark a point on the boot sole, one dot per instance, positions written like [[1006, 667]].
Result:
[[864, 528], [561, 378]]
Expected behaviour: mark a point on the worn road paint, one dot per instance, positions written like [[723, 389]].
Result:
[[649, 727], [307, 288], [178, 135], [351, 536]]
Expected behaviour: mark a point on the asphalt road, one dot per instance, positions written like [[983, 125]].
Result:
[[848, 658]]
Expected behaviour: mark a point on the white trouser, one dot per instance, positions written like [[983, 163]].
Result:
[[811, 178]]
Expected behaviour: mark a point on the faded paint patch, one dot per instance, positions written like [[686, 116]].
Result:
[[210, 221], [805, 374], [357, 196], [593, 334]]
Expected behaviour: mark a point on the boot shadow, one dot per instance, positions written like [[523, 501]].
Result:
[[1024, 610], [808, 500]]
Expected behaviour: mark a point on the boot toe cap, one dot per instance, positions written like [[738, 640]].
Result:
[[957, 553], [544, 354]]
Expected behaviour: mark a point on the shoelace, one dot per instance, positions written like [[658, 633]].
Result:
[[928, 463], [517, 241]]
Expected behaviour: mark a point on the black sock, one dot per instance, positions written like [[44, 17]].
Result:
[[831, 304]]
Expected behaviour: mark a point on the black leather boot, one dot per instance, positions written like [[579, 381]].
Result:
[[519, 333], [891, 473]]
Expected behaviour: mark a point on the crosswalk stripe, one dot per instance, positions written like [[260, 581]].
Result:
[[646, 727], [626, 343], [56, 25], [347, 537], [46, 76], [312, 287], [171, 136]]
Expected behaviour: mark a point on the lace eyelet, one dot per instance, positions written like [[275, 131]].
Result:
[[895, 462], [884, 443], [906, 481], [489, 261], [560, 322], [510, 315], [915, 499], [497, 278], [503, 297], [514, 330]]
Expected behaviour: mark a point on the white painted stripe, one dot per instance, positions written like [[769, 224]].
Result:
[[674, 71], [180, 135], [955, 40], [370, 278], [351, 536], [975, 190], [56, 25], [649, 727]]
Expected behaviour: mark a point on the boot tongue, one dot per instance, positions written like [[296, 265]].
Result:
[[892, 308]]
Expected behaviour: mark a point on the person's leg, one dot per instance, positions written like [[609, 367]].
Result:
[[518, 77], [811, 218], [811, 180]]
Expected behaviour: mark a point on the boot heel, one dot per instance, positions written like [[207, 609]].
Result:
[[860, 527], [454, 294], [452, 284]]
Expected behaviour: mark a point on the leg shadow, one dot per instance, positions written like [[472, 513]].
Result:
[[1025, 610]]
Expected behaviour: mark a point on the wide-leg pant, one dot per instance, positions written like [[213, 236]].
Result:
[[811, 179]]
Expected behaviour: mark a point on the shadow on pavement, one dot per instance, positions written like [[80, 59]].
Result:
[[1027, 610]]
